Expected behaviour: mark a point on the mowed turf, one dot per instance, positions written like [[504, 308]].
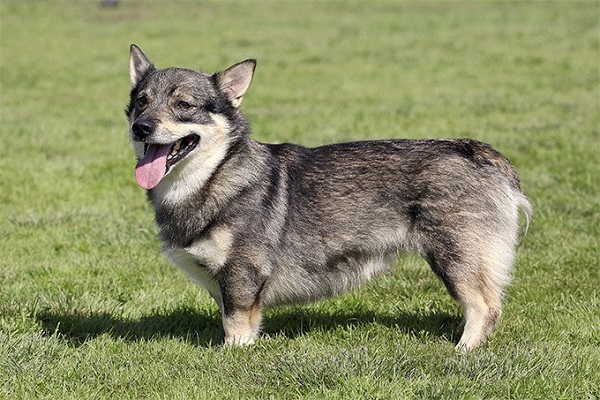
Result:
[[89, 308]]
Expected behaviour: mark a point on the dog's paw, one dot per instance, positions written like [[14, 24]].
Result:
[[240, 341], [467, 344]]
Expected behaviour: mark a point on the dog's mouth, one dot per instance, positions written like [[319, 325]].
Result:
[[180, 149], [159, 158]]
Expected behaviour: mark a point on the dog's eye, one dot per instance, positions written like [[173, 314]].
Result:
[[142, 101], [183, 105]]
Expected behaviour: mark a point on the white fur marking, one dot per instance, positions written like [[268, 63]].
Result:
[[213, 251], [203, 259], [195, 272], [191, 173]]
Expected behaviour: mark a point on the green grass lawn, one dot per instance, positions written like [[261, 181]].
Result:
[[89, 308]]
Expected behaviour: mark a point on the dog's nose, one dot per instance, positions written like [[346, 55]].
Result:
[[143, 128]]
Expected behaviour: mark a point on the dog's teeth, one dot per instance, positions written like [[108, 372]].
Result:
[[174, 150]]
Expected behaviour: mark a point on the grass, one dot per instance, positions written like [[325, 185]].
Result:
[[89, 309]]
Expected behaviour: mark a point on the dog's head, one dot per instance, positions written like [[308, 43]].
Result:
[[177, 113]]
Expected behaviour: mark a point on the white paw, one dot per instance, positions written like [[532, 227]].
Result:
[[243, 340]]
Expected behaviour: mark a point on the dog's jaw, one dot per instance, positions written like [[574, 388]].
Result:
[[193, 171], [159, 158]]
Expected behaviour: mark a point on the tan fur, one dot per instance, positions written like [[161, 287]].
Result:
[[242, 327]]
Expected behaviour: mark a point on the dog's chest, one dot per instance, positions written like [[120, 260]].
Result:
[[202, 260]]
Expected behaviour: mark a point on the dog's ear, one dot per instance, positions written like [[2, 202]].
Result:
[[235, 80], [139, 65]]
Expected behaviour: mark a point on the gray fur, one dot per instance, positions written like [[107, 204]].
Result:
[[262, 224]]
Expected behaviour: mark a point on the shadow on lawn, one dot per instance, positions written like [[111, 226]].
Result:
[[204, 329], [293, 322]]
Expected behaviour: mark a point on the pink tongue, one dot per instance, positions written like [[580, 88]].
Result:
[[151, 169]]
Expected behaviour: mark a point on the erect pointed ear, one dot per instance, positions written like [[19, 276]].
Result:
[[139, 65], [235, 80]]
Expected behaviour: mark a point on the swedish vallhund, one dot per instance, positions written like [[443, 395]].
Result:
[[260, 225]]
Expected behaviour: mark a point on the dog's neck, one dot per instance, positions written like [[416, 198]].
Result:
[[198, 201]]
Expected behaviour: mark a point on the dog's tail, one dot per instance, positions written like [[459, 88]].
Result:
[[504, 165], [485, 154], [522, 202], [525, 206]]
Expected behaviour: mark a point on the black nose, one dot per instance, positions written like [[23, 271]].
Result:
[[143, 128]]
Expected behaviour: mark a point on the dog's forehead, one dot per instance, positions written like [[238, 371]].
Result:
[[172, 80]]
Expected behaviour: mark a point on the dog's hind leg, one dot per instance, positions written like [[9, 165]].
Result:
[[482, 310], [476, 282]]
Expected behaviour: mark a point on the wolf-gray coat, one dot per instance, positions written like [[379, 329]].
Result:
[[262, 224]]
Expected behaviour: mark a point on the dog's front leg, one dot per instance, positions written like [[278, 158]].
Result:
[[242, 326], [242, 308]]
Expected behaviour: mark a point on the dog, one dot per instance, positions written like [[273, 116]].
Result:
[[260, 225]]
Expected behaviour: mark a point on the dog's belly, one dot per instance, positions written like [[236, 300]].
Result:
[[298, 285], [336, 269], [290, 285]]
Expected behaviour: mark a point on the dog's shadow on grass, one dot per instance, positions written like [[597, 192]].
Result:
[[203, 329], [77, 328], [295, 322]]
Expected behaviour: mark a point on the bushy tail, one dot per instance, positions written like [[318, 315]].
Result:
[[503, 164], [525, 206]]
